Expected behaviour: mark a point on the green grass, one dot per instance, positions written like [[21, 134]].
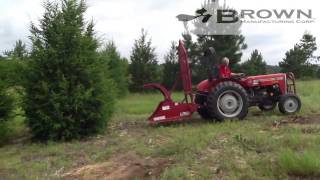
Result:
[[309, 91], [141, 104], [302, 164], [249, 149]]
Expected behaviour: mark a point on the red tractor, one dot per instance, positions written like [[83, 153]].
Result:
[[226, 98]]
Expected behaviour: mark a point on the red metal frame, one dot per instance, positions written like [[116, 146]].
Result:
[[279, 79], [168, 110]]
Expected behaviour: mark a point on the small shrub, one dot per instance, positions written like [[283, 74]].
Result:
[[6, 106], [12, 72]]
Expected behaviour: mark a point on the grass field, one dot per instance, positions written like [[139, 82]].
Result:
[[264, 146]]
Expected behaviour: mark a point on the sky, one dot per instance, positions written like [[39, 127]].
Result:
[[122, 21]]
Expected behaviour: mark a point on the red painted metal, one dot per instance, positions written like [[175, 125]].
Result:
[[168, 110], [279, 79], [166, 94], [185, 73]]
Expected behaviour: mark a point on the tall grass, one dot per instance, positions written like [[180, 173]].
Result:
[[309, 92], [138, 104], [300, 163]]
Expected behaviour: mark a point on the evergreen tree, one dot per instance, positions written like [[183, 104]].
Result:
[[13, 68], [6, 107], [318, 72], [299, 59], [194, 55], [273, 69], [192, 49], [144, 65], [309, 46], [171, 67], [230, 46], [255, 65], [118, 67], [12, 72], [293, 62], [69, 94], [19, 51]]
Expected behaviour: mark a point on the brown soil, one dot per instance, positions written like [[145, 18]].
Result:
[[305, 120], [314, 119], [122, 167], [299, 177]]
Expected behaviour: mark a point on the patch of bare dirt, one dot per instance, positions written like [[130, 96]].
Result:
[[314, 119], [305, 177], [123, 167], [129, 125]]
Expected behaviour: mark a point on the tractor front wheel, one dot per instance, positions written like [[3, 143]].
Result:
[[228, 100], [289, 104]]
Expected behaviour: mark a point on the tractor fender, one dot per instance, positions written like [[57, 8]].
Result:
[[208, 86], [204, 86]]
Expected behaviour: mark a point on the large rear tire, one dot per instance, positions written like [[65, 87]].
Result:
[[201, 100], [289, 104], [229, 100]]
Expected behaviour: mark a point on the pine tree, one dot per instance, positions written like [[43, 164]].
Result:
[[118, 67], [69, 94], [299, 59], [293, 62], [19, 51], [318, 72], [230, 46], [192, 49], [171, 67], [255, 65], [309, 46], [144, 65], [12, 71], [6, 108]]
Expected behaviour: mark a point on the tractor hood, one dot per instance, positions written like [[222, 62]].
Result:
[[264, 80]]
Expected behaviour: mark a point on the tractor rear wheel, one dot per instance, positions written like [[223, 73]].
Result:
[[228, 100], [201, 100], [289, 104]]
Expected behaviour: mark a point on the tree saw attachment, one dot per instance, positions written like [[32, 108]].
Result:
[[168, 110]]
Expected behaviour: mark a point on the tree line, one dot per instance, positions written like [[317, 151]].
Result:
[[69, 80]]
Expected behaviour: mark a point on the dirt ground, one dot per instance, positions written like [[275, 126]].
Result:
[[131, 166], [302, 120], [121, 167]]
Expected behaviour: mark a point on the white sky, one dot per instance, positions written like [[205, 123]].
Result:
[[122, 20]]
